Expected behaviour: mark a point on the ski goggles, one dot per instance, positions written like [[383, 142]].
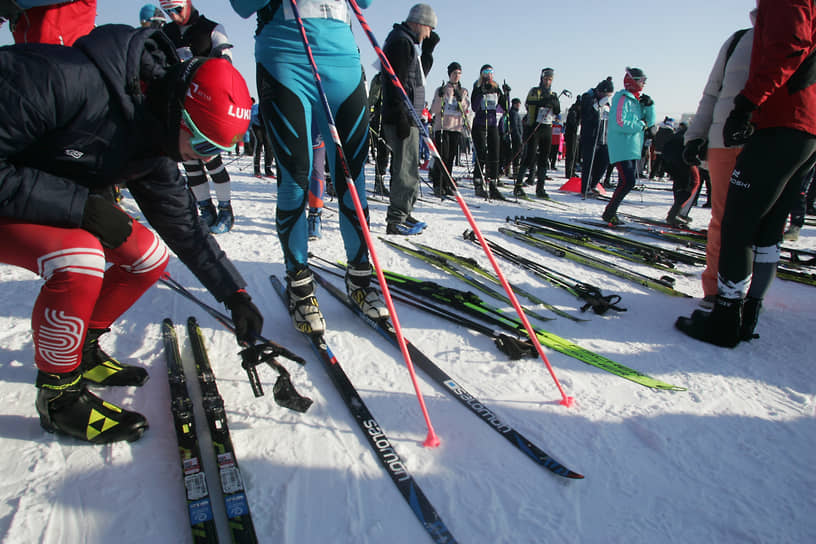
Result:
[[176, 10], [202, 145], [487, 71]]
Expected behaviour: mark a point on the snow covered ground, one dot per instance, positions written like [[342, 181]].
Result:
[[728, 460]]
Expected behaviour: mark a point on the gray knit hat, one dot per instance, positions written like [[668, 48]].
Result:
[[422, 14]]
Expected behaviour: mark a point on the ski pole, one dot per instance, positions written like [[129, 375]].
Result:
[[432, 440], [565, 400]]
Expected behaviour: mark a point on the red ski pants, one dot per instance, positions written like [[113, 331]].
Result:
[[79, 291]]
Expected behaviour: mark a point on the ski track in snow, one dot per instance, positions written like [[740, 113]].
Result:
[[726, 461]]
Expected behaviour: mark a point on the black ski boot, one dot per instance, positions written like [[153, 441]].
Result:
[[495, 194], [207, 212], [750, 316], [479, 188], [518, 190], [67, 407], [359, 290], [722, 327], [540, 192], [99, 368], [379, 186]]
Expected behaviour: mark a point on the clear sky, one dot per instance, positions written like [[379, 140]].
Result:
[[674, 42]]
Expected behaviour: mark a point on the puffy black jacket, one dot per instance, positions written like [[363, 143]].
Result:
[[401, 52], [76, 121]]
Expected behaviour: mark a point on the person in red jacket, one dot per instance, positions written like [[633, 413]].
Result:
[[775, 117], [59, 23]]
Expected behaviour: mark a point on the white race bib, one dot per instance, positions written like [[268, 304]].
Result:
[[490, 101], [318, 9], [544, 116], [451, 108], [184, 53]]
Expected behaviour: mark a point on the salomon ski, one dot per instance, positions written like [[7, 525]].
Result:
[[388, 457]]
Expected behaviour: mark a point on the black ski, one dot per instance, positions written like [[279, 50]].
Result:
[[241, 527], [199, 505], [388, 457], [386, 329]]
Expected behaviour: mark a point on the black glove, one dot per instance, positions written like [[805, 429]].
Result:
[[403, 127], [738, 128], [106, 221], [646, 100], [429, 43], [694, 151], [246, 317], [506, 88]]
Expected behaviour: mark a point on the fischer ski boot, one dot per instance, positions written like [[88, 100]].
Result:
[[99, 368], [358, 287], [722, 327], [67, 407], [302, 303], [225, 219], [313, 223], [206, 211]]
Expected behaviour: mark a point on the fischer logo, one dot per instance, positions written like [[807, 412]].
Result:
[[483, 412], [74, 154], [239, 113], [195, 89], [390, 457]]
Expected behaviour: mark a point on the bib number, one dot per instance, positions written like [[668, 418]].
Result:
[[318, 9], [491, 101], [544, 116]]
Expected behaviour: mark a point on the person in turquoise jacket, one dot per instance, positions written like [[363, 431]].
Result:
[[289, 102], [632, 113]]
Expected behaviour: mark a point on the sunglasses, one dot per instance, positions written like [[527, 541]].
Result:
[[488, 71], [202, 145], [177, 10]]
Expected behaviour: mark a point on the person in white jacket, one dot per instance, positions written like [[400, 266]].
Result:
[[726, 80]]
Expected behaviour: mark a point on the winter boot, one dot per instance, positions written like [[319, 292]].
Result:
[[540, 192], [379, 186], [358, 287], [206, 210], [302, 302], [721, 327], [750, 316], [67, 407], [225, 219], [479, 188], [313, 222], [99, 368], [495, 194]]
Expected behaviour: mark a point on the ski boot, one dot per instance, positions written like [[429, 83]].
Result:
[[494, 192], [750, 316], [540, 192], [67, 407], [722, 327], [518, 190], [792, 234], [206, 211], [225, 219], [313, 223], [379, 186], [302, 302], [479, 188], [413, 222], [358, 287], [99, 368]]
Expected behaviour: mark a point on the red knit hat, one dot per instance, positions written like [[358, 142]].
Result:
[[218, 102]]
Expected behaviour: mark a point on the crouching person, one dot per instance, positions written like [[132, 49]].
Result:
[[116, 108]]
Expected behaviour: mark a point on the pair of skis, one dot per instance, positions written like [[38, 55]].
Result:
[[199, 505]]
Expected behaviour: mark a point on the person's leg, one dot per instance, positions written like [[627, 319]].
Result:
[[721, 163], [626, 181]]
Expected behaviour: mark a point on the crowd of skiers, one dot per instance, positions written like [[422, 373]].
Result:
[[167, 93]]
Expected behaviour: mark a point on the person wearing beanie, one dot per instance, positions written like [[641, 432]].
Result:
[[195, 35], [291, 107], [151, 16], [595, 104], [409, 49], [58, 217], [773, 117], [55, 22], [571, 125], [450, 108], [542, 106], [632, 112], [516, 126], [489, 102]]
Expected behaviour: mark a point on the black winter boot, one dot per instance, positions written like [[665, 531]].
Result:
[[67, 407], [750, 316], [721, 327], [99, 368]]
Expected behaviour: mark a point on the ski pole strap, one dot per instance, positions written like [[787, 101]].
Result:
[[599, 303], [514, 348], [284, 391]]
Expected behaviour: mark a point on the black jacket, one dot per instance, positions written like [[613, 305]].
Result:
[[400, 49], [76, 121]]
